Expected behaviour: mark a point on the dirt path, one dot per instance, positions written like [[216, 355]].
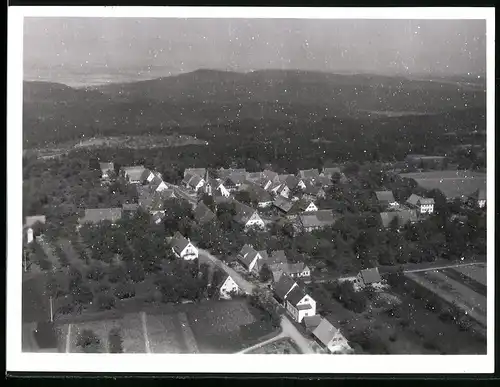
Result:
[[292, 332], [443, 267], [187, 333], [68, 339], [271, 340]]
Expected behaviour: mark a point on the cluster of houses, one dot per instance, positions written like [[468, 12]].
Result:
[[414, 208]]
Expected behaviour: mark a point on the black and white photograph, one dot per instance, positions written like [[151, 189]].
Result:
[[230, 184]]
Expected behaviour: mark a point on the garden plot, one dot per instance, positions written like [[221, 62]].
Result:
[[130, 327], [279, 346], [452, 291], [164, 334], [476, 272], [71, 254]]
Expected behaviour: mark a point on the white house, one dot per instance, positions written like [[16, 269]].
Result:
[[299, 304], [228, 288], [281, 190], [158, 185], [331, 338], [247, 216], [134, 173], [194, 182], [147, 176], [183, 248], [368, 277], [214, 186], [422, 205], [106, 168]]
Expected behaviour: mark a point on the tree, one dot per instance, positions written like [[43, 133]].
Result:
[[123, 291], [175, 211], [115, 341], [54, 286], [88, 341], [208, 200], [105, 301], [265, 273], [135, 271], [95, 272]]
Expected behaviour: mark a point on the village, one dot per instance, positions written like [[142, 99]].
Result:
[[255, 201]]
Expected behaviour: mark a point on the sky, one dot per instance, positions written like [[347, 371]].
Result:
[[103, 49]]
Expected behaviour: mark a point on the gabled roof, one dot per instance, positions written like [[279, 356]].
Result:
[[291, 181], [224, 173], [243, 212], [96, 215], [277, 257], [158, 216], [178, 242], [312, 322], [194, 180], [325, 332], [201, 172], [268, 174], [385, 196], [370, 275], [237, 177], [283, 204], [252, 176], [301, 205], [312, 189], [308, 174], [282, 178], [404, 217], [145, 174], [31, 220], [295, 296], [203, 214], [321, 218], [294, 268], [277, 273], [156, 181], [283, 286], [257, 193], [416, 200], [324, 181], [134, 172], [247, 255], [167, 194], [106, 166]]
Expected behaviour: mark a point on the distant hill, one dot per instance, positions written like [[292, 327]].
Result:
[[55, 112]]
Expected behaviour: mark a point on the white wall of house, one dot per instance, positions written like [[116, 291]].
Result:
[[426, 208], [338, 343], [189, 253], [298, 315], [264, 204], [228, 287], [311, 208], [161, 187], [285, 192], [223, 191], [255, 221], [29, 235], [301, 184], [481, 203], [200, 184]]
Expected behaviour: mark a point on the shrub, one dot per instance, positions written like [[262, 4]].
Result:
[[95, 273], [88, 341], [123, 291], [347, 296], [115, 341], [105, 301]]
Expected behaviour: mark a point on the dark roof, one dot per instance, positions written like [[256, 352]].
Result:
[[312, 322], [224, 173], [256, 192], [277, 257], [96, 215], [320, 218], [246, 255], [178, 242], [370, 275], [404, 217], [145, 174], [312, 189], [201, 172], [416, 200], [325, 332], [192, 180], [268, 174], [252, 176], [243, 212], [106, 166], [237, 177], [283, 286], [283, 204], [385, 196], [295, 296], [203, 214], [324, 181], [291, 181], [294, 268], [479, 194], [31, 220], [309, 174]]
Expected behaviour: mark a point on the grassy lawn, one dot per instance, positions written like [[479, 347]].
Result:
[[476, 272], [165, 334]]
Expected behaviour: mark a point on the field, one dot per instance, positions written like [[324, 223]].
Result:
[[452, 291], [453, 184], [477, 273], [211, 327], [280, 346]]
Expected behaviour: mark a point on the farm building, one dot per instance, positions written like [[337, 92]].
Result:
[[299, 304], [422, 205], [29, 225], [183, 248], [224, 285], [385, 198], [314, 221], [284, 205], [147, 176], [194, 182], [313, 192], [312, 322]]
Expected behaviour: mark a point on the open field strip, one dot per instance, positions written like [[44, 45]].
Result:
[[187, 333], [145, 332], [477, 273], [164, 336]]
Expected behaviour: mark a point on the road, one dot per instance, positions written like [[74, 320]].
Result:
[[243, 284], [292, 332], [271, 340]]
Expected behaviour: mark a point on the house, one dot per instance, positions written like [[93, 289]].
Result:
[[203, 214], [385, 198], [283, 287], [251, 259], [106, 168], [277, 259], [224, 173], [133, 174], [478, 198], [257, 194], [158, 217], [283, 204], [303, 206], [324, 182], [312, 322], [422, 205], [167, 194], [183, 248], [151, 201], [313, 192], [235, 180], [368, 277], [147, 176], [194, 182], [295, 270], [403, 216], [215, 186], [330, 337], [195, 171], [157, 184], [315, 220], [270, 175], [228, 288], [97, 215], [280, 189], [30, 221], [254, 176], [299, 304], [247, 216], [308, 174]]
